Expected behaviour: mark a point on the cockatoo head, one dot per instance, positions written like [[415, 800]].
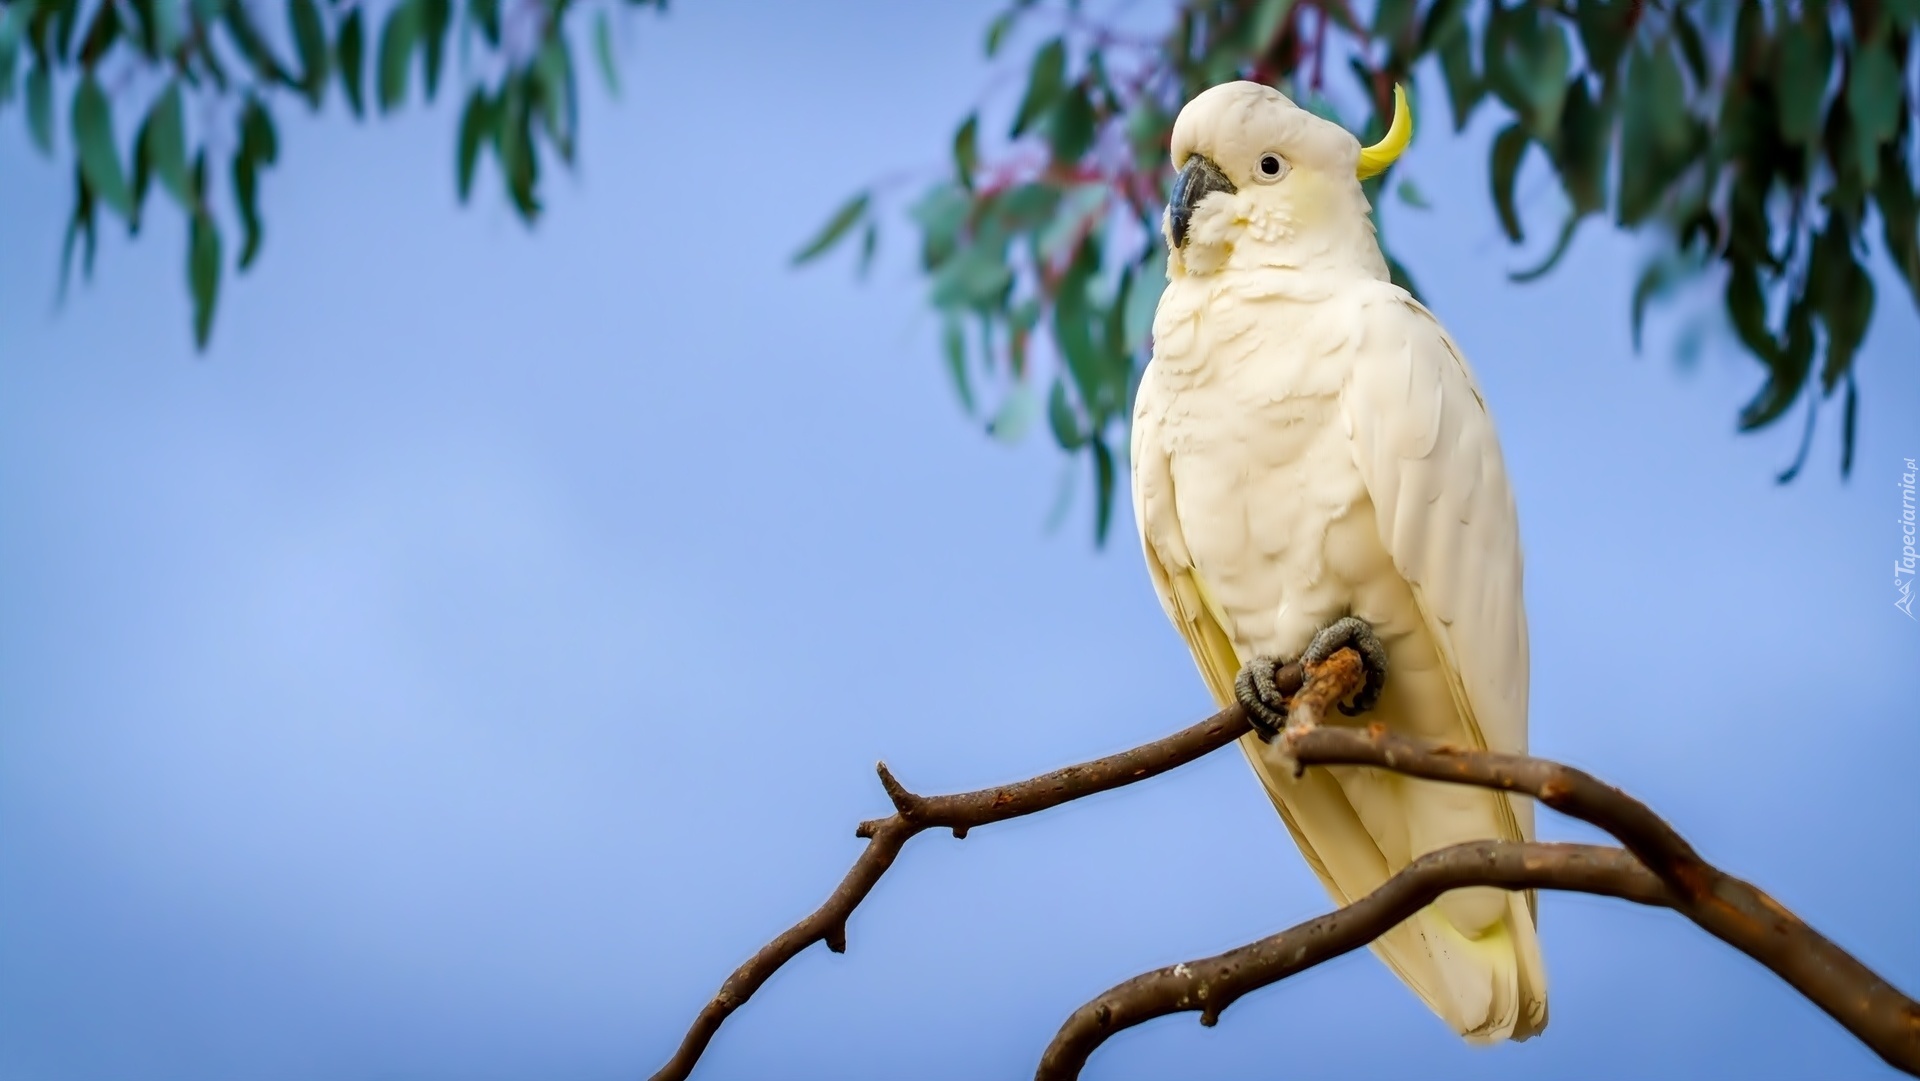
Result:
[[1255, 167]]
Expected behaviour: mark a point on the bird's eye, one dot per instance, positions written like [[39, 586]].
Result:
[[1271, 168]]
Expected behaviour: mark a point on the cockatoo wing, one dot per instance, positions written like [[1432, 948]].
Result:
[[1426, 450]]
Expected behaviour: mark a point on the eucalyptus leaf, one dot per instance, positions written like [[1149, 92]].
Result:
[[1509, 148], [836, 229], [603, 53], [1016, 414], [99, 153], [398, 38], [165, 139], [39, 101], [1044, 80], [203, 273], [310, 41]]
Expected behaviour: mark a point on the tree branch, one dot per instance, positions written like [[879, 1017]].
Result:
[[1211, 985], [1339, 678], [1658, 867]]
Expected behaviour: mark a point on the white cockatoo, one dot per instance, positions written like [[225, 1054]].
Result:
[[1309, 446]]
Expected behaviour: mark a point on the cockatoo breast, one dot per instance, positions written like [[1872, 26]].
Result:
[[1259, 450]]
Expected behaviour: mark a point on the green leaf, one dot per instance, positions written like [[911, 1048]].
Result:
[[1874, 101], [1841, 290], [397, 40], [99, 155], [1900, 216], [1143, 299], [552, 74], [252, 43], [1747, 306], [1410, 194], [80, 227], [259, 147], [1509, 147], [1580, 149], [940, 213], [66, 16], [836, 229], [1393, 20], [351, 50], [966, 150], [514, 138], [477, 125], [1692, 49], [1074, 217], [978, 279], [1149, 130], [869, 244], [1022, 207], [1070, 125], [1015, 416], [165, 142], [997, 32], [603, 53], [1806, 441], [203, 273], [1657, 280], [486, 16], [310, 41], [1264, 24], [100, 35], [1103, 485], [1464, 86], [40, 108], [1527, 62], [169, 25], [1655, 132], [1787, 368], [1062, 419], [1044, 81], [1606, 28], [1802, 65], [1074, 318], [1445, 21], [436, 19], [953, 340], [1560, 246], [1848, 423]]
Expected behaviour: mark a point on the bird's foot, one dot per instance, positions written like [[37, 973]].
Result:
[[1357, 634], [1260, 695]]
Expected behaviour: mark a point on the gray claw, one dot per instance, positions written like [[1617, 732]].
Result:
[[1357, 633], [1254, 688]]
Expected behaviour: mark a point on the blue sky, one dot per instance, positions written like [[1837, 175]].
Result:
[[487, 644]]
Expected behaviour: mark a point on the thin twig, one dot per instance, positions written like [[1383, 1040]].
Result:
[[1657, 867], [1340, 677]]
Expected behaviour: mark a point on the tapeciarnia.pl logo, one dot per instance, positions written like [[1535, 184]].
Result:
[[1904, 567]]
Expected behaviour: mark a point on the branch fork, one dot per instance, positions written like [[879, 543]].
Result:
[[1654, 866]]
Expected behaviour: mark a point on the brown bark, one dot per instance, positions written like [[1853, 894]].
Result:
[[1655, 867]]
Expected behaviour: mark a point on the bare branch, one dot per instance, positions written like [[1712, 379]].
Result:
[[1658, 868], [1340, 677], [1211, 985], [1736, 912]]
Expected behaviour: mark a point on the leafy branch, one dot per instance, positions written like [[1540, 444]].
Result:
[[1751, 141], [203, 79]]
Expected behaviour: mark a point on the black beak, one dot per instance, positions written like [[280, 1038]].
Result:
[[1198, 179]]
